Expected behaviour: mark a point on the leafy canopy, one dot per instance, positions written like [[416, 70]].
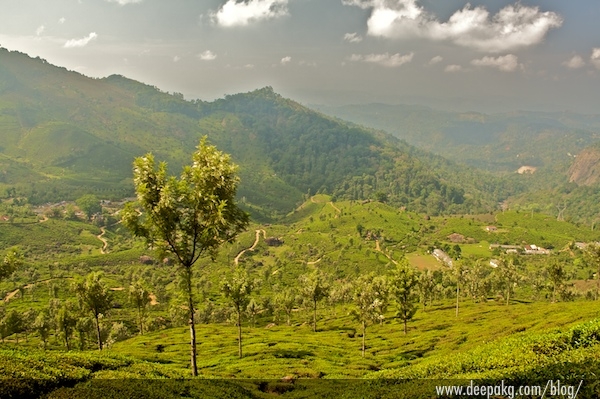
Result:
[[190, 215]]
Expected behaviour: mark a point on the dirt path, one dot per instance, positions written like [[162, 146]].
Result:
[[12, 294], [237, 258], [101, 238], [44, 219], [378, 249], [314, 262], [335, 207]]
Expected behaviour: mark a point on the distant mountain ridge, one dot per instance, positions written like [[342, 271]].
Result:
[[498, 142]]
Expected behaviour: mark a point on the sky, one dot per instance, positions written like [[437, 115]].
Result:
[[489, 56]]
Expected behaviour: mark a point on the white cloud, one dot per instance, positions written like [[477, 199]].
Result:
[[435, 60], [242, 13], [125, 2], [506, 63], [207, 55], [62, 20], [40, 30], [514, 26], [453, 68], [575, 62], [353, 37], [176, 58], [286, 60], [595, 57], [387, 60], [81, 42]]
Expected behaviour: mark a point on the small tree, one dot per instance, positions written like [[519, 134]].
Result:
[[368, 299], [89, 204], [287, 300], [139, 296], [403, 287], [426, 288], [557, 275], [42, 325], [459, 274], [66, 321], [238, 288], [314, 288], [187, 217], [508, 275], [592, 258], [11, 262], [14, 323], [94, 297]]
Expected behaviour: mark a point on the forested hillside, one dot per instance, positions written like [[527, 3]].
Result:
[[65, 135]]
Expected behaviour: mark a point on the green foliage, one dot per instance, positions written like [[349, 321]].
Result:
[[237, 289], [403, 287], [314, 287], [89, 204], [11, 262], [95, 297]]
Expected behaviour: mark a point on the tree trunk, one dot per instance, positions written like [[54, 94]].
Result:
[[363, 338], [508, 296], [405, 328], [98, 332], [315, 318], [193, 364], [457, 293], [239, 323], [140, 320]]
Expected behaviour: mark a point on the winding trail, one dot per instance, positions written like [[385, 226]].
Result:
[[335, 207], [104, 242], [237, 258], [314, 262]]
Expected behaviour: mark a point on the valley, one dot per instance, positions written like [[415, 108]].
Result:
[[475, 271]]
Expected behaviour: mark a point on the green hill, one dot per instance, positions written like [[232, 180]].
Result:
[[64, 135]]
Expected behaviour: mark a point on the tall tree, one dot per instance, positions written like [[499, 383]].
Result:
[[237, 289], [314, 287], [95, 297], [187, 217], [403, 287]]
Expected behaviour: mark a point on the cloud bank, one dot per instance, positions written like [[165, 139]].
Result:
[[386, 60], [575, 62], [506, 63], [81, 42], [124, 2], [242, 13], [514, 26], [207, 55]]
